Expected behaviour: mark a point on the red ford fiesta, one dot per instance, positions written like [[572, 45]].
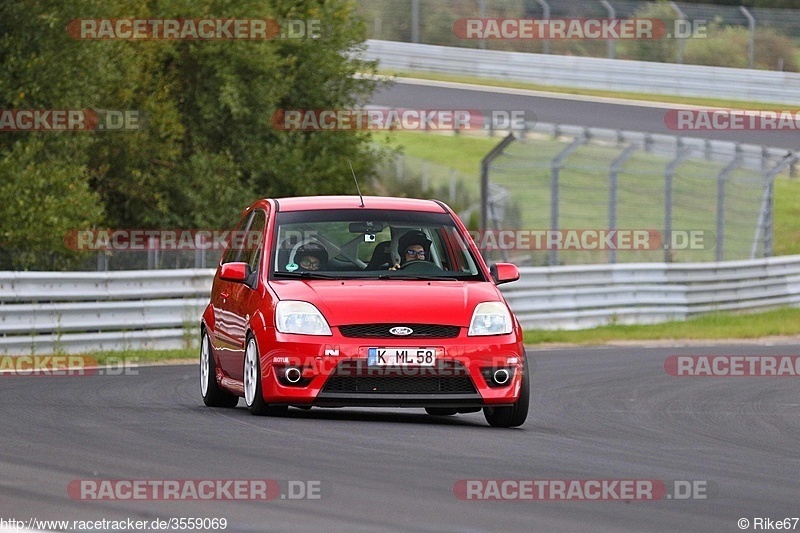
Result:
[[334, 302]]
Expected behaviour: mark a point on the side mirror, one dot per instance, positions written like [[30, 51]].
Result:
[[238, 272], [504, 272]]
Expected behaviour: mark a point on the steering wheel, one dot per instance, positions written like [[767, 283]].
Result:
[[420, 266]]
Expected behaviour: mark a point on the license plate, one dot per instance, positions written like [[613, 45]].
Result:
[[401, 357]]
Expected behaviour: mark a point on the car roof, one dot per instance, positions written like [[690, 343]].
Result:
[[308, 203]]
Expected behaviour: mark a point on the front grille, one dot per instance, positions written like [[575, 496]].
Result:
[[427, 331], [447, 377]]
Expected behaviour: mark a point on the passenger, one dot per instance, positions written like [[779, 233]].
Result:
[[311, 258]]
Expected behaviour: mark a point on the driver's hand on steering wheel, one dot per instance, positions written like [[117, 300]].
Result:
[[395, 267]]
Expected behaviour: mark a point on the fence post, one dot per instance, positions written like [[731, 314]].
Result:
[[415, 21], [669, 175], [722, 178], [613, 174], [485, 163], [482, 15], [545, 15], [648, 142], [681, 40], [555, 171], [751, 46], [611, 44], [102, 262], [765, 215]]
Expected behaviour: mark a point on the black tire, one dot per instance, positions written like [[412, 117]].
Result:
[[253, 397], [213, 395], [441, 411], [514, 415]]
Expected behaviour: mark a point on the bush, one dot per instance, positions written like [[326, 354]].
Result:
[[660, 50], [41, 200], [728, 47]]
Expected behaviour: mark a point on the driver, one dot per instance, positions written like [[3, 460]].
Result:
[[412, 246]]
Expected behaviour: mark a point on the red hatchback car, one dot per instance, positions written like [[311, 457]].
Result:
[[336, 301]]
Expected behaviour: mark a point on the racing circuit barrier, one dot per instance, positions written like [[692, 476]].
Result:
[[79, 312], [590, 72]]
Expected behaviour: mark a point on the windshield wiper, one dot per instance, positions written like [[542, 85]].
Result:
[[306, 275], [418, 277]]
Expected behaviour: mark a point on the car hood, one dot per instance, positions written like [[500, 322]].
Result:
[[390, 301]]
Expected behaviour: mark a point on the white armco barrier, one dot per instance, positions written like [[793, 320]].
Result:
[[591, 72], [46, 312]]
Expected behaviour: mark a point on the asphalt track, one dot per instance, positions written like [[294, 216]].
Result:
[[564, 109], [596, 413]]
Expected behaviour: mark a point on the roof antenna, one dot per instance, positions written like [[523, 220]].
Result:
[[357, 187]]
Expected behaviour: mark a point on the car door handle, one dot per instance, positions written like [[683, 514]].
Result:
[[224, 295]]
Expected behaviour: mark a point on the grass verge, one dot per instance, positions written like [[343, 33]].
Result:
[[779, 322], [142, 356], [464, 153]]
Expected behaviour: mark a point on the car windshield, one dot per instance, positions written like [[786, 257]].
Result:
[[368, 243]]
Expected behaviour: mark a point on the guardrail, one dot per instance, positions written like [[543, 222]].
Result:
[[576, 297], [590, 72], [82, 312], [78, 312]]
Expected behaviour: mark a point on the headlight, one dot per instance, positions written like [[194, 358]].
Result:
[[490, 318], [300, 317]]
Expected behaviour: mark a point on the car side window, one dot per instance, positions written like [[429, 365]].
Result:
[[235, 241], [253, 245]]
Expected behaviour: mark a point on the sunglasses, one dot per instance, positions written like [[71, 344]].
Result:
[[307, 263], [412, 253]]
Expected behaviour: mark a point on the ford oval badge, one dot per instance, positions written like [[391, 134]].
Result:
[[401, 330]]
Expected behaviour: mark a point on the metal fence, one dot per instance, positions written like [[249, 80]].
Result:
[[431, 22], [700, 200], [47, 312]]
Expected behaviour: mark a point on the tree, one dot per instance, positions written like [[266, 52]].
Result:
[[207, 147]]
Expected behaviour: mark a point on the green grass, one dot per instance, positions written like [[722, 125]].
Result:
[[142, 356], [784, 321], [787, 217], [461, 152], [584, 201], [670, 99]]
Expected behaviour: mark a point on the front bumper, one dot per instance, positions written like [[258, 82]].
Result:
[[334, 371]]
